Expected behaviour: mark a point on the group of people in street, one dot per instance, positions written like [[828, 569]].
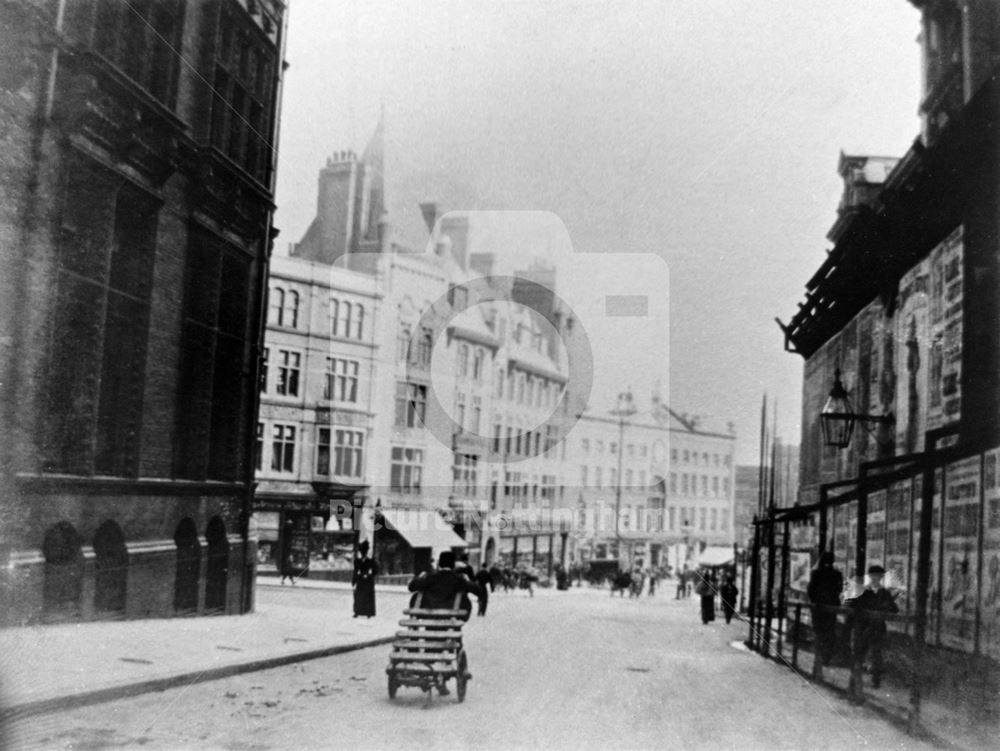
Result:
[[707, 587], [863, 634]]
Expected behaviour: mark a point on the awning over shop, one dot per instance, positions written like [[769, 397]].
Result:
[[422, 529], [715, 556]]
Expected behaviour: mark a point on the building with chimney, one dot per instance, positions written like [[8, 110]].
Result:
[[137, 180]]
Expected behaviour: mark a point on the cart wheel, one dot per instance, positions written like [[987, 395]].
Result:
[[393, 685], [461, 678]]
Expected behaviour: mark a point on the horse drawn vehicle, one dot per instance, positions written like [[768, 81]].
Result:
[[428, 652]]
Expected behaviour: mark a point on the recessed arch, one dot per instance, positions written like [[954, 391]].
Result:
[[188, 567], [217, 570], [110, 569]]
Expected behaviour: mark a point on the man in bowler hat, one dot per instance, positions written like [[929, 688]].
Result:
[[872, 606]]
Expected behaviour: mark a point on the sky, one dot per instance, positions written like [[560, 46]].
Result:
[[706, 133]]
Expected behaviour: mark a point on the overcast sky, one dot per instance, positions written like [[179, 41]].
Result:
[[707, 132]]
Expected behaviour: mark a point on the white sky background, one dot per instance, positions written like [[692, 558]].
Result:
[[707, 132]]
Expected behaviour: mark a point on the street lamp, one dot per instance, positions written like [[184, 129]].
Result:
[[626, 408], [837, 417]]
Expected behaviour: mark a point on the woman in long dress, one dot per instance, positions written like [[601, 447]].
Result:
[[706, 590], [365, 571]]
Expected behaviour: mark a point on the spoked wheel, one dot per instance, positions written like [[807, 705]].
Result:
[[462, 678], [393, 685]]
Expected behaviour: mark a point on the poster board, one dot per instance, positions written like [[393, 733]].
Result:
[[945, 313], [875, 530], [913, 345], [960, 563], [852, 583], [989, 616], [898, 523], [934, 579]]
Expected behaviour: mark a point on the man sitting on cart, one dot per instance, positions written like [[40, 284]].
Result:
[[441, 587]]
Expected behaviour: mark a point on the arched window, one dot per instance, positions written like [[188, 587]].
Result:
[[292, 309], [403, 343], [334, 315], [277, 306], [217, 569], [63, 585], [424, 347], [345, 310], [110, 569], [188, 567], [360, 322], [477, 364]]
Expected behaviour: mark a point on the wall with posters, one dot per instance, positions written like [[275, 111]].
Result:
[[960, 561], [989, 617]]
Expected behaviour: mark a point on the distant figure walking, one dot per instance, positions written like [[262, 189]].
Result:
[[873, 605], [652, 583], [706, 590], [681, 584], [825, 586], [728, 593], [484, 580], [363, 581]]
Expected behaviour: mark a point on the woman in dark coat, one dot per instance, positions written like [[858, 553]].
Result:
[[365, 571], [729, 592], [706, 590]]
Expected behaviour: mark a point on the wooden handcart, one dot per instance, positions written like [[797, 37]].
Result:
[[428, 652]]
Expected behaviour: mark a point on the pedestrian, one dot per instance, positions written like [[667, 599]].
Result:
[[681, 584], [652, 582], [706, 591], [484, 580], [363, 581], [825, 586], [728, 593], [496, 575], [285, 554], [872, 606]]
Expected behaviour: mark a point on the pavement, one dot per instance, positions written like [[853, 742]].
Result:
[[57, 667]]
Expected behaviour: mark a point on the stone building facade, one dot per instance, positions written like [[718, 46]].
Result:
[[137, 187]]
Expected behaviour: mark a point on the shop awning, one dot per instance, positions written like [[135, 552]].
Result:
[[422, 529], [715, 556]]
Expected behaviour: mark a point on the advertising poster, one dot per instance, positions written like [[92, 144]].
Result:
[[946, 321], [989, 629], [913, 344], [875, 537], [899, 505], [851, 579], [934, 580], [961, 554], [800, 564]]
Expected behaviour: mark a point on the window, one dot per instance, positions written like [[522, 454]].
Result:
[[631, 450], [276, 314], [714, 520], [137, 38], [341, 380], [642, 478], [613, 477], [726, 460], [499, 384], [642, 450], [673, 483], [497, 432], [715, 459], [598, 478], [411, 404], [673, 455], [477, 364], [243, 90], [715, 486], [424, 347], [406, 469], [684, 484], [258, 452], [460, 412], [704, 458], [213, 388], [687, 457], [291, 318], [701, 519], [323, 451], [477, 414], [288, 372], [359, 321], [348, 453], [463, 360], [346, 310], [613, 449], [704, 484], [264, 357], [283, 448], [670, 522], [628, 478], [520, 388], [464, 472], [725, 486], [585, 445], [583, 476], [403, 343], [334, 315], [724, 521], [530, 393]]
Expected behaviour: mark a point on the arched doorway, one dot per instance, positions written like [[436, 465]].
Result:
[[110, 570], [63, 584], [188, 567], [217, 571]]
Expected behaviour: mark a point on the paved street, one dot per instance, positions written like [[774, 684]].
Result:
[[560, 670]]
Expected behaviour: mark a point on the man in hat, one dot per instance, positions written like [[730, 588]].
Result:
[[826, 584], [869, 637]]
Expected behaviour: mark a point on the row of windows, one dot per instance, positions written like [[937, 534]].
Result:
[[630, 479], [347, 319], [657, 520], [477, 355], [340, 376], [703, 459], [690, 485], [339, 451], [630, 449], [527, 389], [515, 442], [522, 493]]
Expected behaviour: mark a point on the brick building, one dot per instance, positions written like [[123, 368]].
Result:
[[137, 182]]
